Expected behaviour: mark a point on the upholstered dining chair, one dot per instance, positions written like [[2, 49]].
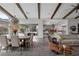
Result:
[[3, 42], [14, 41], [29, 41]]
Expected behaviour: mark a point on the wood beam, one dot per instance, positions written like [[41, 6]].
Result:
[[70, 12], [76, 17], [6, 12], [38, 10], [20, 8], [58, 6]]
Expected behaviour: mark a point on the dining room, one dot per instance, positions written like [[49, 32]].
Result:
[[39, 29]]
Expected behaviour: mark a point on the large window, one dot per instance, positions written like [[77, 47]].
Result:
[[3, 30], [3, 16], [3, 23]]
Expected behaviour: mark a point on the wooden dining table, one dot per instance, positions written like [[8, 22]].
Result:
[[21, 39], [24, 39]]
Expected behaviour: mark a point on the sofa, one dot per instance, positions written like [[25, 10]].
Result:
[[71, 40], [54, 47]]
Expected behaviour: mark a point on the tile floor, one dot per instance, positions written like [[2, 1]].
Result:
[[40, 48]]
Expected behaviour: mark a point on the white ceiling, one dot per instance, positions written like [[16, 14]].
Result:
[[56, 22], [30, 9], [12, 9], [46, 10], [74, 14], [63, 10]]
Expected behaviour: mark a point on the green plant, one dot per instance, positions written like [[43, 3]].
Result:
[[3, 30], [23, 27]]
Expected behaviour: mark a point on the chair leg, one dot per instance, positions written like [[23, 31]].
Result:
[[31, 44], [27, 44], [21, 50]]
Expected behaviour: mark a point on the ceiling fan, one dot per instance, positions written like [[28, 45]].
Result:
[[77, 7]]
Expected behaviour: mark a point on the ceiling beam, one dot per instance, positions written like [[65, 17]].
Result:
[[6, 12], [38, 10], [58, 6], [20, 8], [76, 17], [70, 12]]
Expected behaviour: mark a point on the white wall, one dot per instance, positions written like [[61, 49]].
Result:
[[28, 21], [40, 23], [40, 29], [59, 24]]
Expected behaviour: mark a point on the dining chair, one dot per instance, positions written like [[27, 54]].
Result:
[[29, 41], [3, 43], [14, 41]]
